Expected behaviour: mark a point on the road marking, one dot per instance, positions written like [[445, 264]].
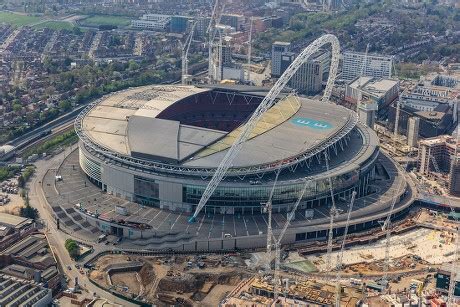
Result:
[[164, 220], [159, 211], [201, 224], [176, 220], [245, 226]]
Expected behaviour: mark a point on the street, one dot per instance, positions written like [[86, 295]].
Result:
[[57, 238]]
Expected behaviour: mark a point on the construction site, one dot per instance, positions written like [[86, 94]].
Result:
[[418, 250], [199, 280]]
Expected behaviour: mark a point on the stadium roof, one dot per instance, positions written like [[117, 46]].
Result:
[[127, 123]]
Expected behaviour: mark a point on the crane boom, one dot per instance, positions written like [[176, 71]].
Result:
[[454, 267], [185, 51], [332, 214], [270, 100], [289, 218], [211, 31], [340, 256], [269, 224], [249, 50], [386, 227], [363, 67]]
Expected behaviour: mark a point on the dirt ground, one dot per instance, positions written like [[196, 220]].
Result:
[[14, 205], [127, 279], [175, 279], [215, 296]]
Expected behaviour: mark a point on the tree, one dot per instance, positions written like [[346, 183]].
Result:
[[28, 212], [65, 105], [72, 247]]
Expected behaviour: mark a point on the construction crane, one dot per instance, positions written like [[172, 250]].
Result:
[[216, 15], [185, 50], [387, 229], [360, 92], [332, 214], [268, 209], [248, 77], [269, 100], [340, 255], [454, 267], [278, 240]]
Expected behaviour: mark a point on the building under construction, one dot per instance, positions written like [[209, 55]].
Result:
[[293, 293]]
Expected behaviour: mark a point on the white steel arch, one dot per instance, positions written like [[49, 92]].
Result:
[[266, 104]]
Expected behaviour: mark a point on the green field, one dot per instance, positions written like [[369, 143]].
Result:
[[17, 19], [303, 266], [105, 20], [56, 25]]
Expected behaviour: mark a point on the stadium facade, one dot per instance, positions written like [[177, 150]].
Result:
[[160, 145]]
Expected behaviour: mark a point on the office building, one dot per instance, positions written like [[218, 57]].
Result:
[[278, 48], [201, 26], [233, 20], [153, 22], [441, 149], [432, 93], [381, 91], [178, 24], [309, 77], [413, 127], [367, 111], [286, 59], [433, 123], [376, 66]]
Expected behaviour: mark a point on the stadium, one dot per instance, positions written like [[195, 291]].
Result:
[[158, 146], [147, 154]]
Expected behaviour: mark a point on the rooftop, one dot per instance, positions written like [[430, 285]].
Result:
[[146, 123], [376, 87], [13, 221]]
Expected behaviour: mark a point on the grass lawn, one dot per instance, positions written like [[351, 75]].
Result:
[[304, 266], [56, 25], [104, 20], [17, 19]]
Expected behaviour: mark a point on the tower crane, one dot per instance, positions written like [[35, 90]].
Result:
[[363, 67], [216, 15], [386, 227], [268, 209], [454, 267], [278, 240], [249, 51], [332, 214], [185, 50], [340, 255]]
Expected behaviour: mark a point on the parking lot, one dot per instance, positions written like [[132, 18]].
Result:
[[75, 188]]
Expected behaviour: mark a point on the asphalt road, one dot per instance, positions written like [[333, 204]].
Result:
[[57, 238]]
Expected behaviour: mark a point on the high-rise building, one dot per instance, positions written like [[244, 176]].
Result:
[[377, 66], [286, 59], [454, 178], [278, 48], [201, 26], [413, 127], [233, 20], [179, 24], [226, 54], [367, 110], [309, 77], [440, 148]]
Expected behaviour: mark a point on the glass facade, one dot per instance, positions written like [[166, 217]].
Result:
[[254, 195], [146, 191], [91, 168]]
